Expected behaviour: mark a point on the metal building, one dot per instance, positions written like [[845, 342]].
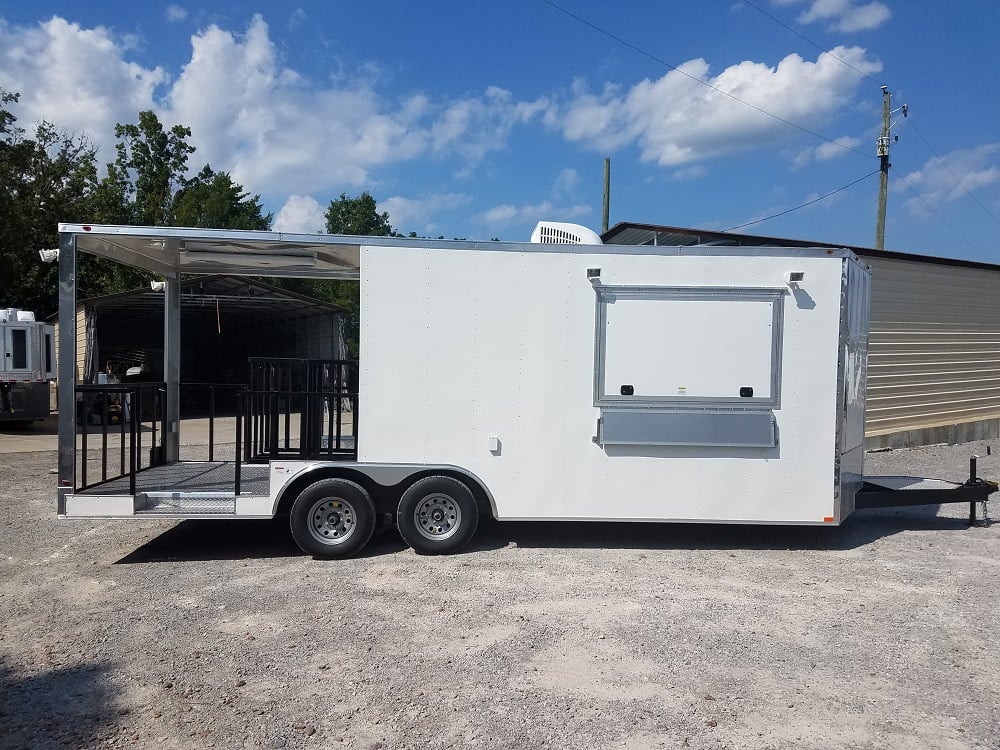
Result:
[[934, 354], [226, 320]]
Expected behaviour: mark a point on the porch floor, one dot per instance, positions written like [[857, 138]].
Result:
[[217, 477]]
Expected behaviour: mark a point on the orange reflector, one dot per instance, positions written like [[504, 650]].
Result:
[[827, 519]]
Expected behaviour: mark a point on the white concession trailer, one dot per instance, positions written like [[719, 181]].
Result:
[[550, 380], [27, 366]]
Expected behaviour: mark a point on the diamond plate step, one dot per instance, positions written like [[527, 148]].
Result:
[[187, 503]]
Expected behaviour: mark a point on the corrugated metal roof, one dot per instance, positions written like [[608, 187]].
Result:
[[630, 233]]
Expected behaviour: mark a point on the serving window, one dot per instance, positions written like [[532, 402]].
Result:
[[688, 347]]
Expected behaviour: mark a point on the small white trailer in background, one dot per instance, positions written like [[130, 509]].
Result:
[[27, 366], [549, 380]]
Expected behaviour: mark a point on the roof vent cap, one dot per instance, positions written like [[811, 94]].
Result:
[[561, 233], [13, 315]]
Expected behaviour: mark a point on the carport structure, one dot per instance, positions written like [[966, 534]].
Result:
[[118, 331]]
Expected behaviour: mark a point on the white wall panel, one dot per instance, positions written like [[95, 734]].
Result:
[[458, 347]]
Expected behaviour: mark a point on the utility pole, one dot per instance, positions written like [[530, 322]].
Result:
[[607, 195], [882, 151]]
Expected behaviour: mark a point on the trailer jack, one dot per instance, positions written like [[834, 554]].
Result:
[[989, 487]]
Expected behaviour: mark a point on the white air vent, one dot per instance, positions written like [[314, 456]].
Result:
[[559, 233], [13, 315]]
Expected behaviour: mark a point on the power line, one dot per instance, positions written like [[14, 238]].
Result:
[[806, 39], [955, 177], [808, 203], [934, 211], [716, 89], [958, 181], [909, 121]]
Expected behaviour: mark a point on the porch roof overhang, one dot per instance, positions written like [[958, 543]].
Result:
[[169, 250]]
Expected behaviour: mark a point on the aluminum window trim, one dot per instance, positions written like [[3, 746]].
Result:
[[610, 293]]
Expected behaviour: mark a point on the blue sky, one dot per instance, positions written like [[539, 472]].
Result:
[[478, 119]]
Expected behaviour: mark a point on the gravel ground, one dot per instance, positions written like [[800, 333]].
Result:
[[878, 634]]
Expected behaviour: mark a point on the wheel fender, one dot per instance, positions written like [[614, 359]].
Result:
[[395, 474]]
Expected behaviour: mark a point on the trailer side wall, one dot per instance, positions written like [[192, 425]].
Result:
[[486, 360]]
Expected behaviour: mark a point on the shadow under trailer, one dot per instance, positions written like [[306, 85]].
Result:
[[559, 379]]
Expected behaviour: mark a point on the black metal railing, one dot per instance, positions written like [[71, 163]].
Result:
[[294, 408], [218, 403], [338, 376], [300, 408], [123, 413], [289, 424]]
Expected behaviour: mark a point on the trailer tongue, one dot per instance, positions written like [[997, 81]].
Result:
[[900, 491]]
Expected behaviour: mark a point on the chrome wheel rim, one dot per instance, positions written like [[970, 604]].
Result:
[[437, 516], [332, 520]]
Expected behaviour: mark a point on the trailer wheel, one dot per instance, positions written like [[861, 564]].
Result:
[[332, 518], [437, 515]]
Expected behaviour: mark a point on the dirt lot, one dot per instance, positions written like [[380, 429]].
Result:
[[879, 634]]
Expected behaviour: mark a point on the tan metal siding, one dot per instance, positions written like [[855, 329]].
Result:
[[81, 342], [934, 353]]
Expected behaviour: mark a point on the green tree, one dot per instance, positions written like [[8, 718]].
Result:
[[150, 164], [149, 167], [353, 216], [213, 200], [45, 179], [146, 185], [112, 200], [357, 216]]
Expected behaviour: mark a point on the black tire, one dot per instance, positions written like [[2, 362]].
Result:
[[437, 515], [332, 518]]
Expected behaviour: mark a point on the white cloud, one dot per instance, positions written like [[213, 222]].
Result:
[[490, 117], [302, 214], [694, 172], [827, 151], [416, 214], [269, 128], [75, 78], [843, 15], [678, 120], [507, 214], [296, 19], [838, 147], [566, 183], [175, 13], [273, 130], [951, 177]]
